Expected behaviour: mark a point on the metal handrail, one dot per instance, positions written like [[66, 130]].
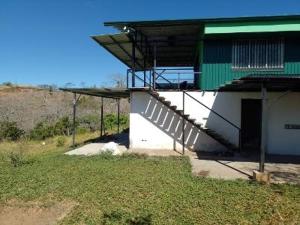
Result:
[[222, 117]]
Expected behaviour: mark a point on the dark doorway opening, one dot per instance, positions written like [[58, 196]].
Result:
[[251, 115]]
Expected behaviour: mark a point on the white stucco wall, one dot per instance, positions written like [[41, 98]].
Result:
[[154, 126]]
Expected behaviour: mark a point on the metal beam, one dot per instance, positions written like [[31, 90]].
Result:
[[124, 50], [263, 128], [183, 122], [74, 118], [101, 126], [118, 101], [75, 100], [133, 61]]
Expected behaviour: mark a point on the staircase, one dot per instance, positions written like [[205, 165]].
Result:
[[231, 147]]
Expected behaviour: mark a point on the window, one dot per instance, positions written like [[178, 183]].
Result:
[[258, 54]]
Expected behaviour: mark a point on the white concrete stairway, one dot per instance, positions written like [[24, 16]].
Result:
[[213, 134]]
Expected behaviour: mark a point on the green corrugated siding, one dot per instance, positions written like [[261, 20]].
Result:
[[216, 67]]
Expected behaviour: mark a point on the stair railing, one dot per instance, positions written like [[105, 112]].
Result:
[[184, 93]]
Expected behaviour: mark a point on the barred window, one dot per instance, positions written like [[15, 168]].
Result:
[[258, 54]]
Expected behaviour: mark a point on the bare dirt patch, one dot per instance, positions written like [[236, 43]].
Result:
[[34, 213]]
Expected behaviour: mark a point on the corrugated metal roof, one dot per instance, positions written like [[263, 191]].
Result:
[[121, 24], [120, 45], [100, 92]]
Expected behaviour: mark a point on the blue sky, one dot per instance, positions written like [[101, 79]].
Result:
[[47, 42]]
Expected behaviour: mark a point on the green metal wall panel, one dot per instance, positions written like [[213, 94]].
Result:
[[216, 67]]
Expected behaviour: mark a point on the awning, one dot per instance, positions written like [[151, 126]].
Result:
[[271, 82], [120, 45], [173, 45], [100, 92]]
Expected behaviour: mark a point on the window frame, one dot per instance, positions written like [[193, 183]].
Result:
[[251, 68]]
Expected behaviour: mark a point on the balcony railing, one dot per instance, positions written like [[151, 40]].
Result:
[[163, 78]]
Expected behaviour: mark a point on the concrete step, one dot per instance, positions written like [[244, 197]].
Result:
[[162, 98], [168, 103], [193, 121], [173, 107]]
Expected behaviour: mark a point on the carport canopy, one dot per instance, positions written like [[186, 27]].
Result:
[[113, 93], [116, 93]]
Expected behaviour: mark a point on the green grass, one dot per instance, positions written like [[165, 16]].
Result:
[[134, 189]]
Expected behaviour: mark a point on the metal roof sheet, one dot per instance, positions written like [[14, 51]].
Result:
[[120, 24], [120, 45], [100, 92]]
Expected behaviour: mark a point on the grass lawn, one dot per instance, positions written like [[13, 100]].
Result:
[[134, 189]]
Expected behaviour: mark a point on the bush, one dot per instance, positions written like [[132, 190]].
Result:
[[111, 121], [90, 122], [45, 130], [63, 126], [61, 141], [42, 131], [10, 131], [16, 159], [8, 83]]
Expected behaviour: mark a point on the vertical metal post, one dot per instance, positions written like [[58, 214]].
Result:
[[263, 128], [150, 80], [240, 140], [101, 126], [183, 122], [133, 60], [154, 67], [74, 119], [145, 72], [145, 61], [118, 101], [127, 79], [178, 81]]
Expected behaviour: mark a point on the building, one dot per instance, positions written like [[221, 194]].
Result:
[[224, 84]]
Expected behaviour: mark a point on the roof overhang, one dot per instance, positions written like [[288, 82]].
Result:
[[100, 92], [120, 45], [176, 43], [272, 83]]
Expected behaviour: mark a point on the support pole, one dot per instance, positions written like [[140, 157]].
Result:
[[101, 126], [74, 119], [183, 122], [145, 61], [154, 67], [145, 73], [133, 60], [118, 115], [263, 128]]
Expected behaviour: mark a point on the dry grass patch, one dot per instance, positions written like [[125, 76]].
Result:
[[34, 213]]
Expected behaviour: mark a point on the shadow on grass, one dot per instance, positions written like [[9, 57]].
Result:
[[117, 217]]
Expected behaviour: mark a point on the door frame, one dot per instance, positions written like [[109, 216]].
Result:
[[243, 100]]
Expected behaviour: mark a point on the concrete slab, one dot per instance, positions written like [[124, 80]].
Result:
[[280, 172], [242, 168], [231, 168], [215, 169], [116, 144]]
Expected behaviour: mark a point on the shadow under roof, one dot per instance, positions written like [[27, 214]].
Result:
[[271, 82]]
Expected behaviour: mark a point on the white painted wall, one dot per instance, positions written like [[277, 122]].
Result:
[[154, 126]]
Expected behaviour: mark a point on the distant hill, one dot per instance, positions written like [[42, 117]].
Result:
[[28, 105]]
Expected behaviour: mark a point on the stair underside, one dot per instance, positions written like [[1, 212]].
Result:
[[213, 134]]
